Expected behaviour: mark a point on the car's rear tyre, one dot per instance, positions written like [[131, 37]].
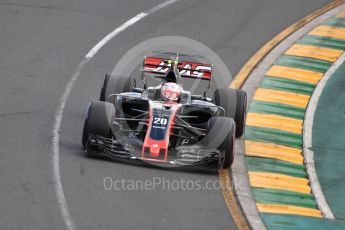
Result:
[[221, 135], [115, 85], [104, 87], [234, 101], [97, 122]]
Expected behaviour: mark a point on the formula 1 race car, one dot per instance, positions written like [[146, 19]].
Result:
[[165, 123]]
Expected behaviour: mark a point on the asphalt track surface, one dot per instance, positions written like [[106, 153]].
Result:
[[41, 45]]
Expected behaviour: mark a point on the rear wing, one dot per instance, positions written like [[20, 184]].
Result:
[[161, 66]]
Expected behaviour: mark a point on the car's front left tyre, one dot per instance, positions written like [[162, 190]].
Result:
[[221, 136]]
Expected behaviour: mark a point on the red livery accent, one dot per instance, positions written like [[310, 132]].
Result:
[[154, 150], [186, 69], [157, 150]]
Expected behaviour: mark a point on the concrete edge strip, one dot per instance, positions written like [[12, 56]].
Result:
[[239, 168], [308, 137]]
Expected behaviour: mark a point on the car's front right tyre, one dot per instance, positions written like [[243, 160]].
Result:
[[97, 122]]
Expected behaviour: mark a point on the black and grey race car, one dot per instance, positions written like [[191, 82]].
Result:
[[165, 123]]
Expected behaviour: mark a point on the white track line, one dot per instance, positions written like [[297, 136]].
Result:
[[308, 140], [125, 25], [63, 207]]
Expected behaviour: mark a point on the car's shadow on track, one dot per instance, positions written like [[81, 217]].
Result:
[[139, 163]]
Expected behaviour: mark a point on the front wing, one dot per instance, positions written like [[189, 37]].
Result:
[[188, 155]]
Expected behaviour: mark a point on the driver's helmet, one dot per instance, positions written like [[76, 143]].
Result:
[[170, 92]]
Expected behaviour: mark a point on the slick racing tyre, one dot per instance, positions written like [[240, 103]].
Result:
[[221, 136], [97, 122], [115, 85], [234, 101], [104, 87]]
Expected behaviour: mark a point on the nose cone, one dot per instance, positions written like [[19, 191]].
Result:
[[154, 150]]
